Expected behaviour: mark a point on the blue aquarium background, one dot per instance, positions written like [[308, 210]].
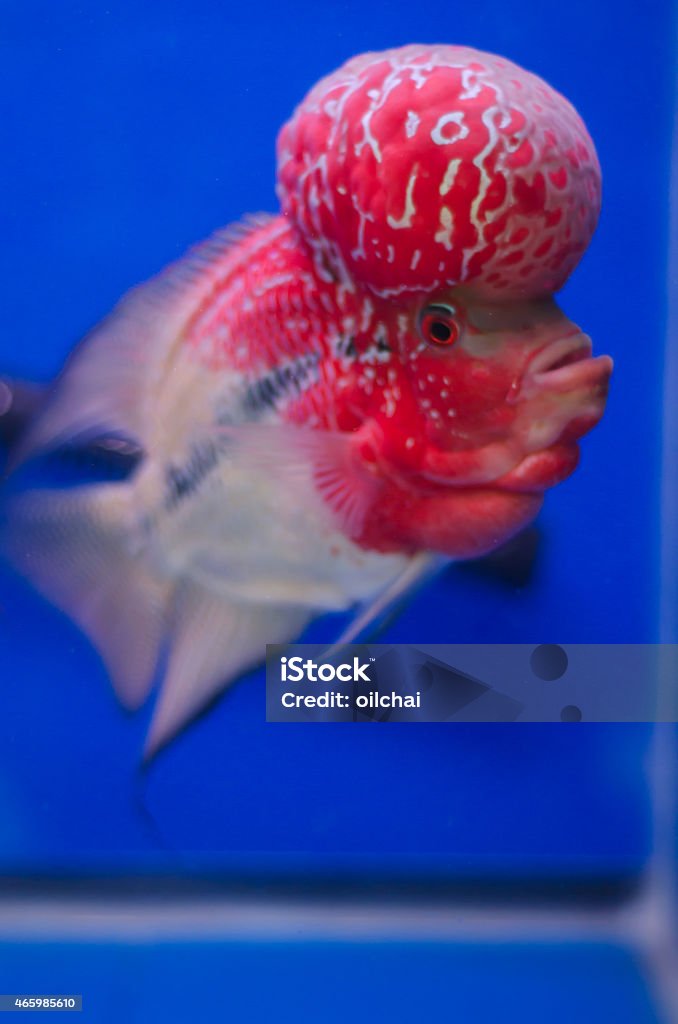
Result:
[[130, 131]]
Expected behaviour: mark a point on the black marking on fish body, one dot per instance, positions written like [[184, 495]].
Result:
[[261, 396], [183, 480], [346, 346], [380, 340], [279, 384]]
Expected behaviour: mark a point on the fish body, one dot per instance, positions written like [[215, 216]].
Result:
[[328, 399], [227, 493]]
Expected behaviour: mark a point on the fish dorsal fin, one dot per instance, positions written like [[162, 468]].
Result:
[[108, 385]]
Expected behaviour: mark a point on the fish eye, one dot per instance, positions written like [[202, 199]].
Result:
[[438, 325]]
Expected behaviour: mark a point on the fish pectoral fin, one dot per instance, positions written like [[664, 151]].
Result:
[[212, 642], [73, 546], [329, 460]]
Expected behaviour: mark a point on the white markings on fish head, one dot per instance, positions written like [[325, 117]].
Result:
[[412, 123], [409, 209], [502, 150], [444, 234], [449, 128]]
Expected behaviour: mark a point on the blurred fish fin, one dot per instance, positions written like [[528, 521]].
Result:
[[109, 384], [74, 547], [330, 459], [209, 255], [420, 568], [212, 642], [348, 489], [104, 388]]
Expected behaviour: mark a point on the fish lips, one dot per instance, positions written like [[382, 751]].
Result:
[[590, 374], [568, 373], [563, 394], [566, 367], [548, 466]]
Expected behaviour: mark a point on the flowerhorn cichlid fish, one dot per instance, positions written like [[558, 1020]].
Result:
[[328, 398]]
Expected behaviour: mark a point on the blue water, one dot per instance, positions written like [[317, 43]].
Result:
[[334, 982], [134, 129]]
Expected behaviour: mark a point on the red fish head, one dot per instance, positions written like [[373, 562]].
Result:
[[476, 409], [457, 191]]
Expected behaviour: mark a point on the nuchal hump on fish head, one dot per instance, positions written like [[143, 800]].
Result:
[[326, 397]]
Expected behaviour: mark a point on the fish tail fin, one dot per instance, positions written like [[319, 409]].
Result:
[[74, 546]]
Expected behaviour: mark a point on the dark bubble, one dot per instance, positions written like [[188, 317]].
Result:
[[548, 661], [571, 713]]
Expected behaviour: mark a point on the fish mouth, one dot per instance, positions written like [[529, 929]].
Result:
[[566, 366], [562, 396], [563, 352], [568, 385]]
